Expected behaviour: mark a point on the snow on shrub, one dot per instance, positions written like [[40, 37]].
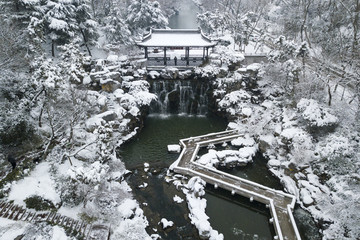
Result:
[[228, 55], [299, 143], [127, 208], [233, 98], [334, 146], [208, 71], [314, 113], [234, 101], [91, 174]]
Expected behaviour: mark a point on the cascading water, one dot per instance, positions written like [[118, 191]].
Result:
[[180, 97]]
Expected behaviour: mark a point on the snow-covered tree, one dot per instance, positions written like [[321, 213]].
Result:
[[213, 22], [86, 25], [143, 15], [116, 28], [284, 50], [60, 22]]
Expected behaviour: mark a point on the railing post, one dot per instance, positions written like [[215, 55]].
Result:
[[187, 55], [165, 56]]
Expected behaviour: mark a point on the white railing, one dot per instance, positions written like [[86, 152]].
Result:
[[293, 223], [232, 187], [260, 198]]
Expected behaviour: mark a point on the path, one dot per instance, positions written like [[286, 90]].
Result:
[[79, 228], [281, 204]]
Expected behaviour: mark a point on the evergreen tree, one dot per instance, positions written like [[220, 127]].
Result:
[[85, 23], [143, 15], [116, 28], [60, 22]]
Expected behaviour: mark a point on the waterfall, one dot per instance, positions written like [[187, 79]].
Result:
[[180, 96]]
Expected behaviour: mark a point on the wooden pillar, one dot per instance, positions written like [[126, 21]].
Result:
[[207, 52], [187, 55], [203, 52], [146, 52], [165, 56]]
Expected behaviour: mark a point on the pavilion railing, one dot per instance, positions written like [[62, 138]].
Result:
[[181, 61]]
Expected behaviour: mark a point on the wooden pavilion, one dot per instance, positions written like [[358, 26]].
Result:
[[172, 47]]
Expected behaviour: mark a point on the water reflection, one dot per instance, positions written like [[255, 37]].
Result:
[[186, 18]]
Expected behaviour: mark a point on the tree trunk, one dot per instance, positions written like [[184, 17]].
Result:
[[303, 25], [330, 96], [85, 41], [356, 29]]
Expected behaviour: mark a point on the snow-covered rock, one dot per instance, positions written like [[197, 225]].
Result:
[[165, 223], [178, 199], [243, 141], [197, 205], [154, 74], [254, 67], [174, 148]]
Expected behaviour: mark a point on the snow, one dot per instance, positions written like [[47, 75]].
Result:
[[71, 212], [132, 222], [175, 148], [178, 199], [57, 24], [253, 67], [126, 208], [10, 229], [290, 185], [174, 38], [197, 206], [246, 111], [165, 223], [112, 58], [58, 233], [154, 74], [91, 174], [144, 185], [334, 146], [274, 163], [39, 183], [316, 114], [243, 141]]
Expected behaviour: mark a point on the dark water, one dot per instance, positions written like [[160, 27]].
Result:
[[306, 225], [234, 216], [237, 217], [186, 18], [150, 145]]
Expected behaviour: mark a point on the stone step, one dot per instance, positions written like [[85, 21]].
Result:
[[51, 216], [8, 211], [14, 212], [4, 209], [20, 214]]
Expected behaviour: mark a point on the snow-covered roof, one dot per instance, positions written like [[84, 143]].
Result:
[[176, 38]]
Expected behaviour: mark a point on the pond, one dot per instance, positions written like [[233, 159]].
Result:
[[233, 216]]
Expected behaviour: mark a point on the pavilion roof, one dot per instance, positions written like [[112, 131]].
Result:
[[176, 38]]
